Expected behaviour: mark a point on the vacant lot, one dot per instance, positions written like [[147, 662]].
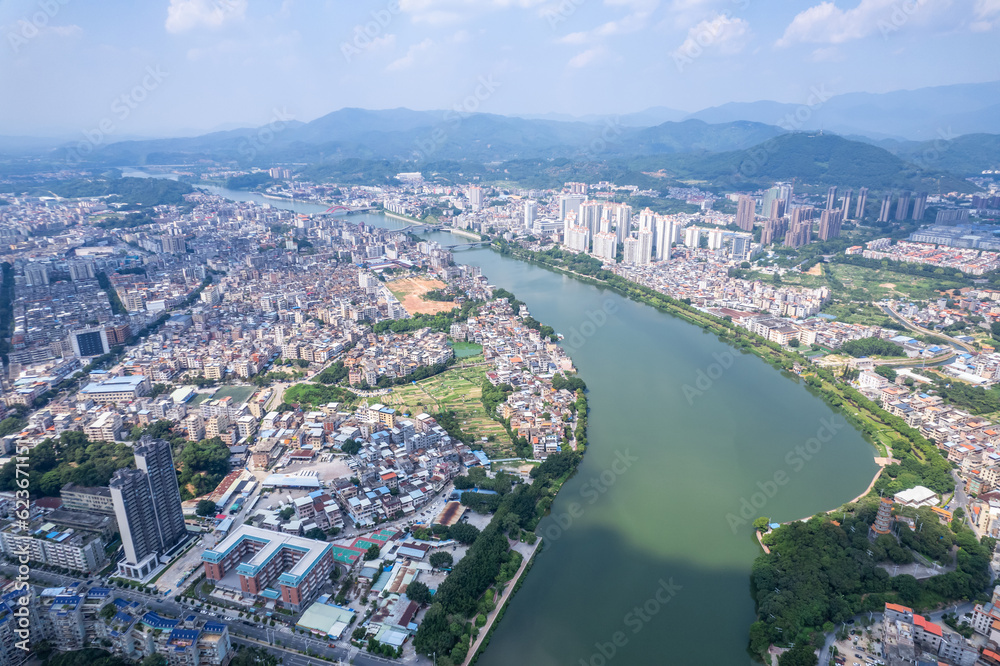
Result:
[[459, 390], [409, 291]]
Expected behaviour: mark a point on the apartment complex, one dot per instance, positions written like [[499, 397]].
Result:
[[270, 565]]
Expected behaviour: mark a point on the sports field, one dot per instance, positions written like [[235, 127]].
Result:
[[240, 394]]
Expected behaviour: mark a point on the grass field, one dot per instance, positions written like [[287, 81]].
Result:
[[460, 390], [871, 284], [856, 287], [239, 393], [464, 350]]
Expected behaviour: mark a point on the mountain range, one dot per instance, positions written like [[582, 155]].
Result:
[[927, 134]]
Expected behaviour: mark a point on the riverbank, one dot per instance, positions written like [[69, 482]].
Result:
[[401, 217], [884, 431]]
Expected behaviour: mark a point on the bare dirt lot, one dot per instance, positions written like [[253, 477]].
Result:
[[410, 290]]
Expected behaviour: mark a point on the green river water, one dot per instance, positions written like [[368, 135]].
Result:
[[646, 560]]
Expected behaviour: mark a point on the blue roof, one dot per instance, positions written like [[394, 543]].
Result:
[[154, 621], [215, 627], [184, 634], [98, 592]]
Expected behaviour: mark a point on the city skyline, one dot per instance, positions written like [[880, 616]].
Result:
[[199, 65]]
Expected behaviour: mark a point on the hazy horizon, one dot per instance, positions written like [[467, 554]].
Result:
[[182, 67]]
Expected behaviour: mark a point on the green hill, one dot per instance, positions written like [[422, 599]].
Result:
[[817, 159]]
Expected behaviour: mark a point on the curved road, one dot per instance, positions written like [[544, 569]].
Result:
[[920, 329]]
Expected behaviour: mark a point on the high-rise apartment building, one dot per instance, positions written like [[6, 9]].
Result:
[[829, 223], [903, 206], [36, 275], [89, 342], [173, 244], [475, 194], [777, 209], [715, 239], [663, 236], [774, 230], [590, 216], [831, 197], [919, 206], [746, 211], [859, 211], [692, 237], [148, 508], [578, 238], [570, 203], [767, 201], [606, 246], [845, 204], [530, 213], [885, 212], [645, 238], [799, 233]]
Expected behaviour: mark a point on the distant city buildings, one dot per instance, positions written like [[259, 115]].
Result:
[[746, 212]]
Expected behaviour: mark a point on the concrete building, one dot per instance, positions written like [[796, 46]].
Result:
[[746, 211], [148, 508], [606, 246], [859, 210], [43, 542], [269, 565], [89, 342], [80, 498], [117, 389]]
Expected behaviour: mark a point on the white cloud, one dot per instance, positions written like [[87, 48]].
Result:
[[722, 33], [442, 12], [410, 58], [587, 57], [827, 54], [826, 23], [387, 42], [987, 15], [633, 22], [183, 15]]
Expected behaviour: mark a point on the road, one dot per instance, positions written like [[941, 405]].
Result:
[[920, 329], [243, 632]]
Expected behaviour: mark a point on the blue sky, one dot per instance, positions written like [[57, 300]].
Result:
[[160, 67]]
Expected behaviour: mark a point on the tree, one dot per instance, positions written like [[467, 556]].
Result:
[[760, 523], [254, 656], [463, 533], [418, 592], [441, 560], [316, 533], [286, 513], [205, 508], [372, 552], [351, 447], [154, 659], [886, 371], [108, 612], [802, 654]]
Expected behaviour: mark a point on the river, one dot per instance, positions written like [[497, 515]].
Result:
[[647, 560]]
